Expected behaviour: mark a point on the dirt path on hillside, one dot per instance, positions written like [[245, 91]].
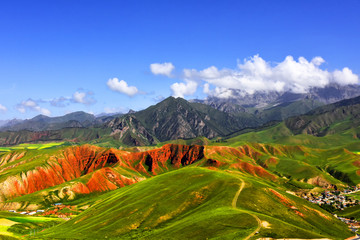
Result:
[[233, 204], [234, 201]]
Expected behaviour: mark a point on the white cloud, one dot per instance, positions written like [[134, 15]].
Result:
[[43, 111], [79, 97], [29, 103], [83, 97], [3, 108], [219, 92], [182, 89], [255, 74], [162, 68], [122, 87], [32, 106], [345, 77]]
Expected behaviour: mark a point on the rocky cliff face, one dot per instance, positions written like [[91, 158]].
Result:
[[130, 131], [176, 118]]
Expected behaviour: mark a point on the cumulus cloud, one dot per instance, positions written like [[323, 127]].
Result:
[[162, 68], [345, 77], [32, 106], [219, 92], [184, 89], [255, 74], [122, 87], [80, 96], [83, 97], [3, 108]]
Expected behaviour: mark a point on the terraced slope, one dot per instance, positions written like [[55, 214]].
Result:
[[197, 203]]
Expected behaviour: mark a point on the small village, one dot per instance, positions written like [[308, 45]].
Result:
[[337, 200], [57, 210]]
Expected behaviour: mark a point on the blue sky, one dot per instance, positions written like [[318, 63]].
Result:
[[62, 56]]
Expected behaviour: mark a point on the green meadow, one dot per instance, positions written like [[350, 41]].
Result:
[[17, 226], [197, 203], [33, 146]]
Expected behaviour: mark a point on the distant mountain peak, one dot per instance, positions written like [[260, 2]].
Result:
[[331, 93]]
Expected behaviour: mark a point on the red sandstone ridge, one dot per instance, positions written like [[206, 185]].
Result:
[[253, 170], [102, 168], [98, 169], [154, 161], [63, 166]]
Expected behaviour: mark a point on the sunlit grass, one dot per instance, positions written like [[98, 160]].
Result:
[[37, 146]]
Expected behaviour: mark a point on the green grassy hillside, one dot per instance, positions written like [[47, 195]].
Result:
[[17, 226], [197, 203]]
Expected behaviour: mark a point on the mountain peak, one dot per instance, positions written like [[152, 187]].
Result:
[[39, 117]]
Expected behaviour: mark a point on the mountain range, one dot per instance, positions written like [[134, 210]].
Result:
[[176, 118], [181, 170]]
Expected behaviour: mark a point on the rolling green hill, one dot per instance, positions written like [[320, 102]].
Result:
[[16, 226], [330, 119], [196, 203], [158, 195]]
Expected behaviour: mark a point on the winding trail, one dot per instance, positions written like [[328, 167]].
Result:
[[235, 199], [233, 204]]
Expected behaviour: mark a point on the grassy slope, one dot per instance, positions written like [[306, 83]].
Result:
[[17, 226], [350, 212], [35, 146], [196, 203], [297, 162], [282, 135]]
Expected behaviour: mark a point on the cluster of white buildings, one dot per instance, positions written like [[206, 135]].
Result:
[[337, 199], [28, 212]]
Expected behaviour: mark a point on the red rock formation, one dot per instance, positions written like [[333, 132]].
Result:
[[75, 162], [35, 136], [72, 163], [356, 163], [107, 179], [154, 161], [214, 163], [103, 169], [271, 162], [253, 170], [250, 152], [10, 157]]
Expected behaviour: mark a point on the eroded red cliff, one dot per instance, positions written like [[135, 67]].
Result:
[[102, 166]]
